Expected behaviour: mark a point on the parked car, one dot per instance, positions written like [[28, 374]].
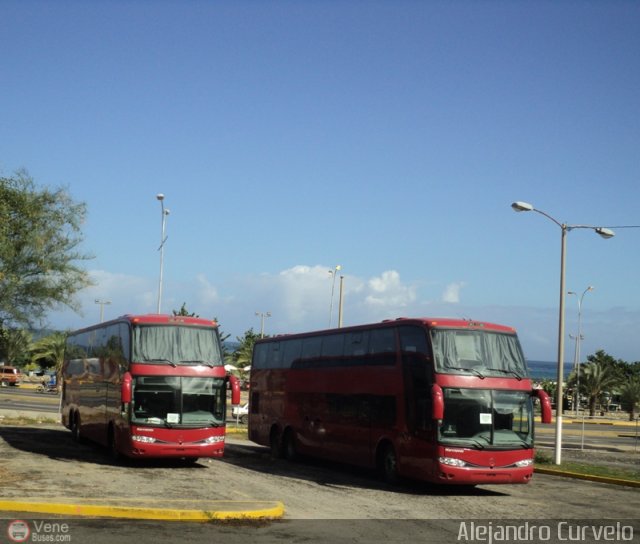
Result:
[[241, 413], [10, 375]]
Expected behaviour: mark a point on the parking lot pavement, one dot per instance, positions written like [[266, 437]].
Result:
[[43, 471]]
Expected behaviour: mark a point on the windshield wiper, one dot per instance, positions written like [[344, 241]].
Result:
[[512, 372], [472, 370], [162, 360]]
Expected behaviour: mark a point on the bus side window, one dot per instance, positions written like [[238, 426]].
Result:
[[382, 347], [292, 349]]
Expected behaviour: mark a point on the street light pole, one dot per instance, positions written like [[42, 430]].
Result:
[[341, 299], [163, 239], [262, 315], [576, 361], [102, 304], [333, 286], [605, 233]]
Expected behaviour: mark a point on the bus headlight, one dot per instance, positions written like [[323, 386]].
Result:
[[143, 439], [524, 463], [214, 440], [452, 461]]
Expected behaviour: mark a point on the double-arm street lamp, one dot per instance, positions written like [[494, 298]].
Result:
[[163, 239], [262, 316], [102, 305], [605, 233], [576, 358]]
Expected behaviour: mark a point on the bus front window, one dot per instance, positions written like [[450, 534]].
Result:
[[178, 401], [484, 418], [478, 352], [176, 345]]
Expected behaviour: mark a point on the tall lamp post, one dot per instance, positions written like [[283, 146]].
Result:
[[576, 358], [333, 288], [262, 315], [163, 239], [340, 302], [102, 305], [564, 228]]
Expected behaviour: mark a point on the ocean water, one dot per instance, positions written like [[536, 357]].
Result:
[[548, 370]]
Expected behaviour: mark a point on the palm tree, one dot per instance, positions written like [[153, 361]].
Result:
[[630, 396], [597, 379], [242, 356], [50, 349]]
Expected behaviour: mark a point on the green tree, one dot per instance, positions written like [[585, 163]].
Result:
[[630, 396], [39, 250], [48, 352], [14, 345], [596, 379], [602, 358], [184, 312], [243, 355]]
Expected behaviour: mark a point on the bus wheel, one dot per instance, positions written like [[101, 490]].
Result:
[[388, 465], [275, 444], [75, 427], [289, 447], [113, 444]]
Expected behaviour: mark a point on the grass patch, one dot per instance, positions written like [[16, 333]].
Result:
[[544, 460]]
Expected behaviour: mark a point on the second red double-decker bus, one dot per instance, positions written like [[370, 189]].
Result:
[[440, 400], [148, 386]]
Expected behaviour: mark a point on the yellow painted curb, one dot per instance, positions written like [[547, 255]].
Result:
[[579, 476], [231, 510]]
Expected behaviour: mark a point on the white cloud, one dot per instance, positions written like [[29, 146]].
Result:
[[388, 291], [451, 293], [207, 293]]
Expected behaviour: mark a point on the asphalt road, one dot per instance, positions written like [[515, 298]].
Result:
[[20, 398]]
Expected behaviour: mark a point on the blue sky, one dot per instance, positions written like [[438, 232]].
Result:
[[389, 137]]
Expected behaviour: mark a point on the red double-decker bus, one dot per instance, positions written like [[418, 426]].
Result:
[[148, 386], [441, 400]]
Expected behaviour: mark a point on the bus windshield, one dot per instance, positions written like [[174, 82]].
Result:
[[178, 401], [176, 345], [478, 352], [485, 418]]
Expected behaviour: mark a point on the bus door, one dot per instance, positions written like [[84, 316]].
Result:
[[418, 445]]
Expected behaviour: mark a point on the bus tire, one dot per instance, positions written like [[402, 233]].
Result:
[[275, 444], [388, 464], [113, 445], [75, 427], [289, 448]]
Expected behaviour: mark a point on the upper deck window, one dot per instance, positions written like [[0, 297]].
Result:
[[176, 345], [478, 352]]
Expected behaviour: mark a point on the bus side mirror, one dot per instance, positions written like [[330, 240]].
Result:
[[234, 382], [437, 401], [545, 405], [125, 388]]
